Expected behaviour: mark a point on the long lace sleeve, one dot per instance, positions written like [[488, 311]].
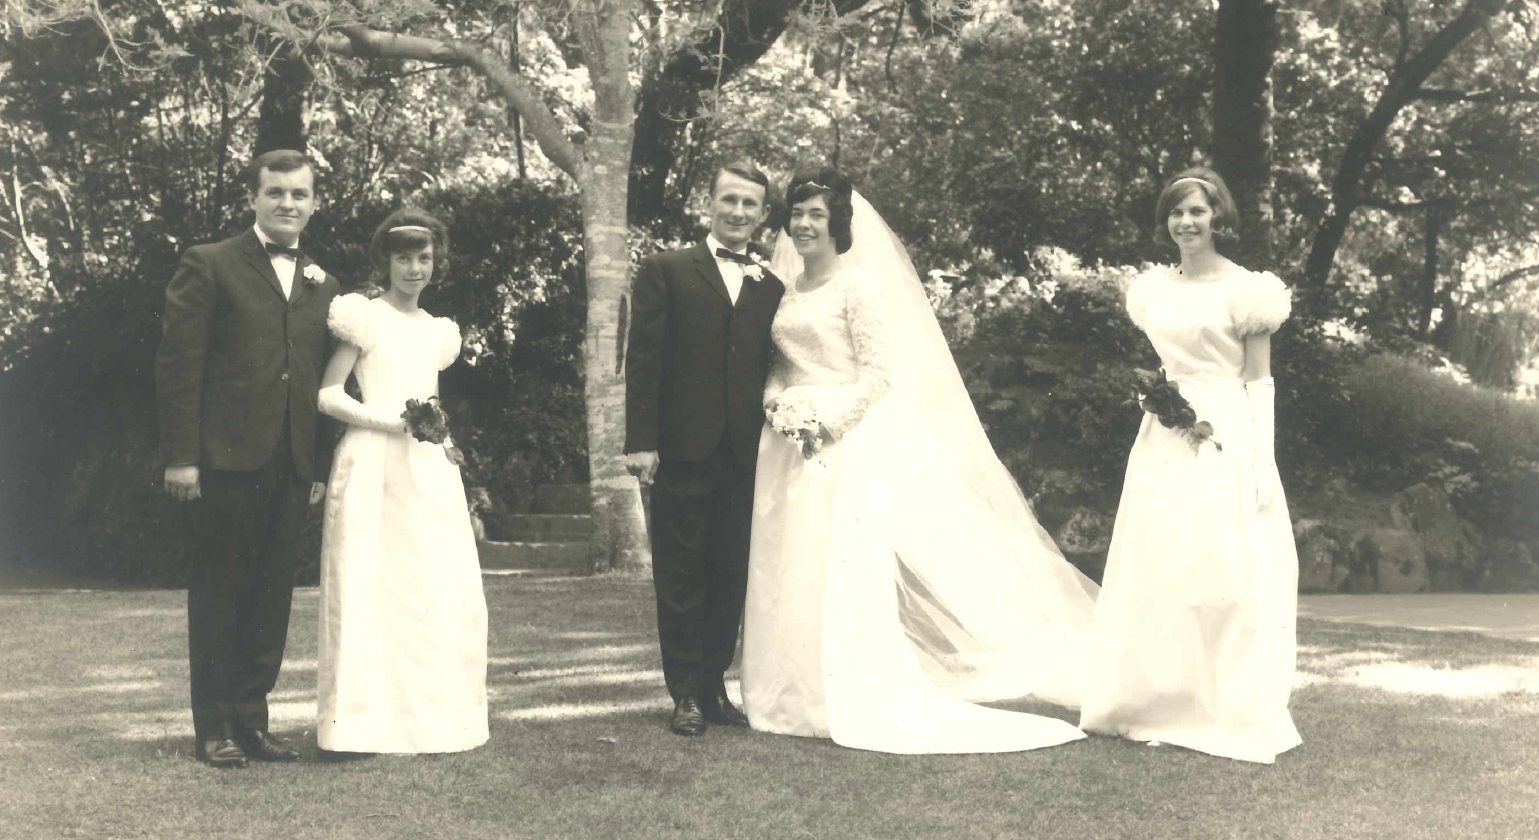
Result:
[[776, 382], [870, 334]]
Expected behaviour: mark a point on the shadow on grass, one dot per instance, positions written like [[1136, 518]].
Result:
[[1402, 729]]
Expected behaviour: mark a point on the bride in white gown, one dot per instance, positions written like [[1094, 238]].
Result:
[[900, 573]]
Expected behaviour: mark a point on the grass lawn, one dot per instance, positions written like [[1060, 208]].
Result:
[[1407, 735]]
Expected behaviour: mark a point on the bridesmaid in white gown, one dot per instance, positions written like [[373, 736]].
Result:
[[899, 573], [402, 617], [1194, 629]]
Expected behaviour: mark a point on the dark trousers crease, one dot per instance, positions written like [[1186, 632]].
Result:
[[700, 518], [243, 542]]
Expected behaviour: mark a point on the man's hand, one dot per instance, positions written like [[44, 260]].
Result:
[[317, 492], [643, 465], [182, 482]]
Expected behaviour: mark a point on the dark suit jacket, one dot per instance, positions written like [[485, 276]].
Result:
[[236, 358], [696, 364]]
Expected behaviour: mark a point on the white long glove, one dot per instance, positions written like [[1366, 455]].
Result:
[[336, 402], [1260, 395]]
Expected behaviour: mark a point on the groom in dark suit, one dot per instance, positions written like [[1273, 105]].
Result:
[[241, 352], [698, 357]]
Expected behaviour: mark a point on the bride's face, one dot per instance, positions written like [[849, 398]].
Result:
[[809, 227]]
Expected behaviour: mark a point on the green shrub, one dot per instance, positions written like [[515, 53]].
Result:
[[1411, 424], [80, 491]]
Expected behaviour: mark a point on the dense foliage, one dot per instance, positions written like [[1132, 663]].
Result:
[[1016, 147]]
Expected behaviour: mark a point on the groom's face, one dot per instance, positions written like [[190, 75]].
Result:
[[737, 209], [283, 203]]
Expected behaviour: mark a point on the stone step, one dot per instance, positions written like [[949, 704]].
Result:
[[541, 527], [563, 556], [570, 499]]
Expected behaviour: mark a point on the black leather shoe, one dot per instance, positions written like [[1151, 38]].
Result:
[[718, 708], [265, 746], [687, 719], [224, 754]]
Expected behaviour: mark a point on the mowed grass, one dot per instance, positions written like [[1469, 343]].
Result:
[[1407, 735]]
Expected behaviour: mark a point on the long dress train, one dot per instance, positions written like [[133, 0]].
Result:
[[853, 596]]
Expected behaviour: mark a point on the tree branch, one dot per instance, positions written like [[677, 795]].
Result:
[[1494, 95], [360, 41], [1512, 277]]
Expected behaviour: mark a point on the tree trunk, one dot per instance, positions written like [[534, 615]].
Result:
[[1428, 296], [281, 121], [746, 30], [1404, 83], [1244, 45], [620, 529]]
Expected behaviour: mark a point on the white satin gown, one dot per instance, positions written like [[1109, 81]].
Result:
[[837, 639], [402, 666], [1194, 629]]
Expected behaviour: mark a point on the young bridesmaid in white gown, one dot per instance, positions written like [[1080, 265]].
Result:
[[402, 617], [1194, 629]]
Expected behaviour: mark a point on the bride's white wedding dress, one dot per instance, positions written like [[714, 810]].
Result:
[[402, 665], [899, 575]]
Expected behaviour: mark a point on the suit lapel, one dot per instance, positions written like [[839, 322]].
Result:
[[262, 264], [301, 287], [709, 273]]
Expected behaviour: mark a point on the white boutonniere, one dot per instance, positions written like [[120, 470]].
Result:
[[314, 275], [757, 270]]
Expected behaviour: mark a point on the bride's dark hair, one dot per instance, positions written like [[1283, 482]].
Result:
[[829, 182]]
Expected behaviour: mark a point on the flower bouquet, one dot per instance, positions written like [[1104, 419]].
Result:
[[800, 424], [428, 422], [1162, 398]]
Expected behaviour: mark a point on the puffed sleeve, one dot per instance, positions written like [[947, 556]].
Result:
[[449, 341], [1260, 303], [871, 334], [1138, 295], [352, 320]]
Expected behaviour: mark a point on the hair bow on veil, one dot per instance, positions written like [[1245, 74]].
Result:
[[996, 623]]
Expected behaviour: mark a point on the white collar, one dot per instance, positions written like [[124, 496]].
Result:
[[266, 239], [713, 243]]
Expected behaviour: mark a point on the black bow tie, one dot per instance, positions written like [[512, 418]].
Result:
[[275, 248], [740, 259]]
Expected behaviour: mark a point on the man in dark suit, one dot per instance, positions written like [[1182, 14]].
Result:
[[698, 357], [241, 352]]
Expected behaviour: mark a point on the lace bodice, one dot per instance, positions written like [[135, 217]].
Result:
[[402, 353], [835, 336], [1199, 328]]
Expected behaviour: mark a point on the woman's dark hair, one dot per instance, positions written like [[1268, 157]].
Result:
[[408, 229], [836, 186], [1226, 217]]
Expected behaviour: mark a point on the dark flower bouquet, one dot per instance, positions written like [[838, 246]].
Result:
[[1162, 398], [428, 422]]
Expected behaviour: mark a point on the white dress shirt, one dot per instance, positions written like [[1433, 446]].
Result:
[[283, 265], [731, 272]]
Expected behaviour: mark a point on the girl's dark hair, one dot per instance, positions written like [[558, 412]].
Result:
[[1226, 217], [836, 186], [408, 229]]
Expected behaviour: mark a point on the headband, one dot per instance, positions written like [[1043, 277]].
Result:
[[1209, 184], [409, 227]]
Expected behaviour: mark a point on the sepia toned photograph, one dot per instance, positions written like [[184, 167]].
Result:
[[891, 419]]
